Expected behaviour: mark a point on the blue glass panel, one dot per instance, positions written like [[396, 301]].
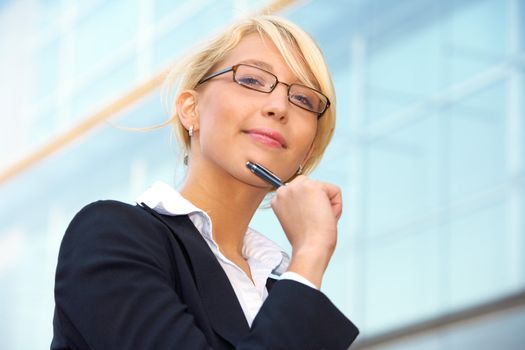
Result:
[[166, 7], [402, 280], [117, 81], [468, 25], [480, 265], [344, 281], [204, 22], [477, 141], [472, 45], [103, 31], [403, 72], [44, 127], [403, 175], [47, 69], [48, 12]]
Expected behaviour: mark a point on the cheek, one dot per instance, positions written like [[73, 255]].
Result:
[[213, 133], [307, 136], [217, 123]]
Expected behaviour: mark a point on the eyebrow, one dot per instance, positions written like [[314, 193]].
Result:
[[258, 63], [269, 68]]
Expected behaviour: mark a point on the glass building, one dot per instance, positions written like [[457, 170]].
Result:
[[429, 152]]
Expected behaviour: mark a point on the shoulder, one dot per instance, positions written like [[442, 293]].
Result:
[[106, 215], [107, 210], [109, 223], [112, 212]]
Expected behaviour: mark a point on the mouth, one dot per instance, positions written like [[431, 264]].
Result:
[[269, 137]]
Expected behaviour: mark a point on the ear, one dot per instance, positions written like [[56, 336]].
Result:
[[187, 110]]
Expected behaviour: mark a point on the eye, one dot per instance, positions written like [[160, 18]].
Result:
[[251, 80], [304, 101]]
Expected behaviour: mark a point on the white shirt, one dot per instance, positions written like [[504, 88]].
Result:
[[264, 257]]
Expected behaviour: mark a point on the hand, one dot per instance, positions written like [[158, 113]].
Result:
[[308, 212]]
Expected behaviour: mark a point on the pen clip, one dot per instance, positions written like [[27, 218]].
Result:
[[268, 171]]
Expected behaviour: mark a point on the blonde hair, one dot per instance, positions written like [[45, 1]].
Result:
[[299, 51]]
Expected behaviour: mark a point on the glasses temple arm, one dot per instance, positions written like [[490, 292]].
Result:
[[222, 71]]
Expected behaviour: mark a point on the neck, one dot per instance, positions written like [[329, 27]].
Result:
[[229, 203]]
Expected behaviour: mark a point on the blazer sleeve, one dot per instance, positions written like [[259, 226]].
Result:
[[299, 317], [113, 290]]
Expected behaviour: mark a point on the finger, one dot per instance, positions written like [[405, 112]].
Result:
[[334, 195]]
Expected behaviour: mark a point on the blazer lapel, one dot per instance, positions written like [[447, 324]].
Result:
[[269, 283], [215, 290]]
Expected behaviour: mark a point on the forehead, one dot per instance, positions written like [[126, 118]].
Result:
[[260, 51]]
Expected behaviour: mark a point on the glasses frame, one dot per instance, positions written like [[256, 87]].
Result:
[[277, 82]]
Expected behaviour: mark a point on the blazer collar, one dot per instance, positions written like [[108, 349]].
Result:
[[215, 290]]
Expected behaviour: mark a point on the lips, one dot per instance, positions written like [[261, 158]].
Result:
[[269, 137]]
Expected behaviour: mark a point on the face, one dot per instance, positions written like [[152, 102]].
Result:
[[237, 124]]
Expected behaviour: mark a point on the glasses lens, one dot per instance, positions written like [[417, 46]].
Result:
[[254, 78], [300, 95], [307, 98]]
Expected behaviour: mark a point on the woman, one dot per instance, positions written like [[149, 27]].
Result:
[[184, 270]]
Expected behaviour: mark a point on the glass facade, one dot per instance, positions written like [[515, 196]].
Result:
[[429, 150]]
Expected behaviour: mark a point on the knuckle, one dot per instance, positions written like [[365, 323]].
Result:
[[279, 192], [312, 184]]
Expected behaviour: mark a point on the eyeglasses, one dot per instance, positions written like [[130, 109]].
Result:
[[258, 79]]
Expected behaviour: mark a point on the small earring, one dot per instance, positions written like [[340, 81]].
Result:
[[190, 131], [300, 170]]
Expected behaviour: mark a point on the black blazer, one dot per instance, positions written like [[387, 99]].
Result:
[[130, 278]]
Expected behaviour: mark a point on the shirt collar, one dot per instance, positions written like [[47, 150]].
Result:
[[166, 200]]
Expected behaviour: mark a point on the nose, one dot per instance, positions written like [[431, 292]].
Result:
[[276, 105]]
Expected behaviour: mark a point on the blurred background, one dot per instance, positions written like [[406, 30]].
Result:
[[429, 151]]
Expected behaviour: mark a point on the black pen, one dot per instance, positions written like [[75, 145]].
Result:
[[264, 174]]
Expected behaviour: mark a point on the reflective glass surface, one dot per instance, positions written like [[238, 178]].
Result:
[[428, 150]]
